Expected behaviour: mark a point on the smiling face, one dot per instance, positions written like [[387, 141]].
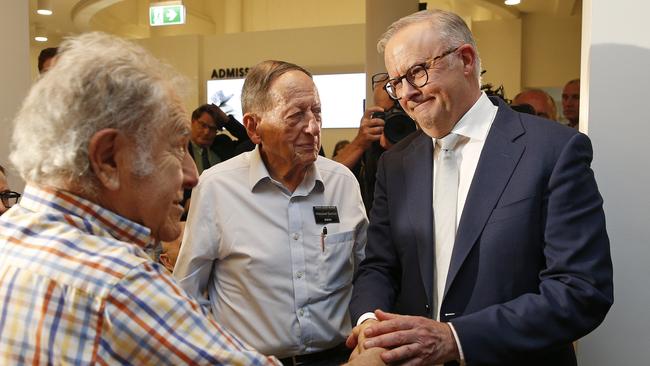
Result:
[[451, 88], [290, 131]]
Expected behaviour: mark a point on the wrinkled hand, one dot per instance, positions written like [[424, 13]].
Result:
[[357, 338], [411, 340], [367, 358]]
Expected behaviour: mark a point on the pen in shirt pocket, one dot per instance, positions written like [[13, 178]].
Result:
[[322, 239]]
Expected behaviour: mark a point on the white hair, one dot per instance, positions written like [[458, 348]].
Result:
[[452, 31], [98, 82]]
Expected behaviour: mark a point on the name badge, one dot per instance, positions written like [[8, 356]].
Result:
[[326, 214]]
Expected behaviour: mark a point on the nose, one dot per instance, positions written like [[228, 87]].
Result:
[[408, 90], [313, 126], [190, 174]]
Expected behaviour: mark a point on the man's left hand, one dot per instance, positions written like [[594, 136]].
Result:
[[412, 340]]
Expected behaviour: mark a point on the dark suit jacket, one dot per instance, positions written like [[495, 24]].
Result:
[[531, 269]]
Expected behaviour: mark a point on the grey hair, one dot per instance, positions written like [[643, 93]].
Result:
[[98, 82], [255, 95], [452, 31]]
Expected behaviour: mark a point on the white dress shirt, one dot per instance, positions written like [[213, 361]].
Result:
[[256, 249], [473, 127]]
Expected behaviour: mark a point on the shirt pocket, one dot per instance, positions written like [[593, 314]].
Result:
[[336, 261]]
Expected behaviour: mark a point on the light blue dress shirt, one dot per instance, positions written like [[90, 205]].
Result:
[[256, 249]]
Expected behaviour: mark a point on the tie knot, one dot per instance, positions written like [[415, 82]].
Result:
[[448, 142]]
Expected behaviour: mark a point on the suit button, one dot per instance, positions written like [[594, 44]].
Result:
[[427, 308]]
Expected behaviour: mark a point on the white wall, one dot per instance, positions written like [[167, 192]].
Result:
[[618, 47], [14, 75]]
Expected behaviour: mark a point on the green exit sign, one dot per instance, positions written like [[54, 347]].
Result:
[[166, 14]]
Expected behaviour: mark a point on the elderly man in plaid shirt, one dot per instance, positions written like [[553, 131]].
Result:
[[101, 141]]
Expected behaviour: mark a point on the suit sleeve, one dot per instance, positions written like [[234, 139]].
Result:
[[377, 281], [236, 129], [575, 290]]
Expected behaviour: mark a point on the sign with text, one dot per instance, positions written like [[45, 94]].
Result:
[[168, 14]]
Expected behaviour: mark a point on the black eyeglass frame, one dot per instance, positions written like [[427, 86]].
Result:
[[391, 84], [7, 195]]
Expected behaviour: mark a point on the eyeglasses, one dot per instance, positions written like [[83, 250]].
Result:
[[416, 75], [381, 77], [206, 126], [9, 198]]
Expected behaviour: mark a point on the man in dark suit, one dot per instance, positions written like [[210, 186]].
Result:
[[207, 120], [208, 148], [491, 249]]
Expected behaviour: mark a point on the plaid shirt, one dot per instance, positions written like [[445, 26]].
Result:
[[76, 287]]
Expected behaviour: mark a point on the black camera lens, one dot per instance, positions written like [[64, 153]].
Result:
[[398, 124]]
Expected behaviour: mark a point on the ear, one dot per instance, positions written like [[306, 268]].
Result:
[[102, 152], [251, 122], [468, 56]]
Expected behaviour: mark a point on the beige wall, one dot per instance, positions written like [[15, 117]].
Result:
[[551, 50], [499, 44]]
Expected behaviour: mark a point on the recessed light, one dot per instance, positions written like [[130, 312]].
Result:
[[44, 7], [40, 39], [512, 2]]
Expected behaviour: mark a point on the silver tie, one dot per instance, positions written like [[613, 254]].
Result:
[[445, 200]]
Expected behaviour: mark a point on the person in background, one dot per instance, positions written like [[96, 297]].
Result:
[[571, 102], [339, 145], [540, 100], [46, 59], [381, 126], [208, 147], [7, 196], [105, 175], [487, 242], [274, 235]]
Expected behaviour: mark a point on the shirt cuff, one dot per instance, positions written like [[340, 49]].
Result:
[[367, 316], [460, 348]]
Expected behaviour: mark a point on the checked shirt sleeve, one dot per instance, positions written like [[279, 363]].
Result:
[[149, 320]]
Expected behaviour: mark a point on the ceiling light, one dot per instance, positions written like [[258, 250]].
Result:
[[44, 7], [39, 33], [512, 2]]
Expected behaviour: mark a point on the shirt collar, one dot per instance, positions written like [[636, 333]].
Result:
[[258, 174], [475, 123], [44, 199]]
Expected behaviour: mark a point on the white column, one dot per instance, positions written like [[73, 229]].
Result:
[[615, 92]]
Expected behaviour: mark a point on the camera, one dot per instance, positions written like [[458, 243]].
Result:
[[398, 123]]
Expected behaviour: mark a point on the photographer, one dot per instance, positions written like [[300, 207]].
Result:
[[381, 126]]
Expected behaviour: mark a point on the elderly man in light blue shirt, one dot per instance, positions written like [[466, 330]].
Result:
[[277, 233]]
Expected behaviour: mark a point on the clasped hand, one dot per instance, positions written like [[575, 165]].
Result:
[[406, 340]]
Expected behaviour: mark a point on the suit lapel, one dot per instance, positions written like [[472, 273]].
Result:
[[496, 164], [418, 167]]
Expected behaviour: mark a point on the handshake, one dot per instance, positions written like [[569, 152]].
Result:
[[401, 339]]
